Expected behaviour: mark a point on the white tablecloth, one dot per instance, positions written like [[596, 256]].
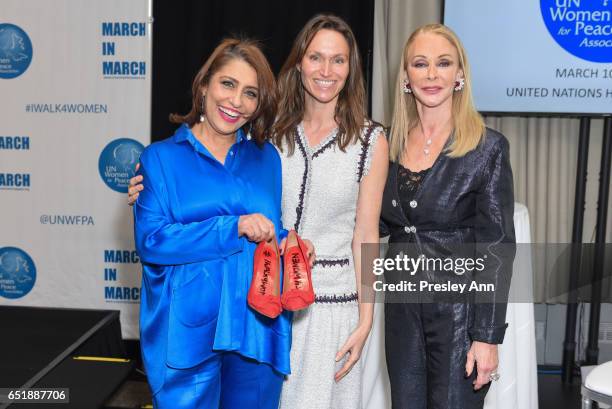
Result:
[[518, 385]]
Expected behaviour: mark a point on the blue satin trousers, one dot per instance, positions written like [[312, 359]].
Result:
[[227, 380]]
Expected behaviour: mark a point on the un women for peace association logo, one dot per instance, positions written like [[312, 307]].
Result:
[[118, 161], [15, 51], [583, 28], [17, 272]]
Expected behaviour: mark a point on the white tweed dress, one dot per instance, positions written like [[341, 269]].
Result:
[[320, 188]]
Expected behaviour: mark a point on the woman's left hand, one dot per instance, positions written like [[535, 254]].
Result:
[[484, 357], [353, 346]]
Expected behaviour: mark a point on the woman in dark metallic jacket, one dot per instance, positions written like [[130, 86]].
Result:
[[449, 192]]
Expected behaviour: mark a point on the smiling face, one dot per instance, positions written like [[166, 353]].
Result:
[[432, 68], [231, 97], [325, 66]]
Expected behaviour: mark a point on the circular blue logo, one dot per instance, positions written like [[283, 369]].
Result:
[[17, 272], [15, 51], [118, 161], [581, 27]]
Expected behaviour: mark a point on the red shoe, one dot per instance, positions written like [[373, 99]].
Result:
[[264, 294], [297, 281]]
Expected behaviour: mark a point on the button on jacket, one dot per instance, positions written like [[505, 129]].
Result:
[[196, 270], [462, 201]]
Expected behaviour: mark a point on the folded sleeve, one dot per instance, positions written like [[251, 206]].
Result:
[[161, 240]]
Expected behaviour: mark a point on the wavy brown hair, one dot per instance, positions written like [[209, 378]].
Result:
[[250, 52], [350, 107]]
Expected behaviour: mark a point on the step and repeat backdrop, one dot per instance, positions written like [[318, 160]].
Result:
[[75, 98]]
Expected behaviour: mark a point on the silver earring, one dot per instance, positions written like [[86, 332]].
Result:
[[406, 87], [459, 84], [202, 111]]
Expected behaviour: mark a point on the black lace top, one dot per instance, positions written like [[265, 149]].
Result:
[[408, 184]]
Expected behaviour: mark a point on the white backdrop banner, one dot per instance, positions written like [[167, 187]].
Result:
[[75, 98]]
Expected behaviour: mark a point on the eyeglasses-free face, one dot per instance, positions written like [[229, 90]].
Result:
[[231, 97], [325, 66], [432, 69]]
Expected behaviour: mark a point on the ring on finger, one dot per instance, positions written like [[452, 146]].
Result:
[[494, 376]]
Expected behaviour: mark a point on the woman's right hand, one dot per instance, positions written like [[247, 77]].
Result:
[[256, 227], [135, 187]]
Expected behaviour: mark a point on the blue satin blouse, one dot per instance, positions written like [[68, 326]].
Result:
[[196, 270]]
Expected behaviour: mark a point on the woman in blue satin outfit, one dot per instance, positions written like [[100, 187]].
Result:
[[212, 193]]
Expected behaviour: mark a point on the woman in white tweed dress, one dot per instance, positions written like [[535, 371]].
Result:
[[334, 169]]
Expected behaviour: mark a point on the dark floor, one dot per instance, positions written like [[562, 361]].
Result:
[[552, 394], [134, 393]]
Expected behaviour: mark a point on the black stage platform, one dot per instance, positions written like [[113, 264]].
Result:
[[38, 346]]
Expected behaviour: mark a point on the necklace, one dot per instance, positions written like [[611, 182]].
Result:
[[427, 146]]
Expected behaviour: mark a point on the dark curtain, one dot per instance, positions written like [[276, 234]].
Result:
[[186, 32]]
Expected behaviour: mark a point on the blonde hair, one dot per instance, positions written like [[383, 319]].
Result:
[[468, 125]]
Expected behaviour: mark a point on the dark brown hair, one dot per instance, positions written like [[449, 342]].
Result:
[[249, 51], [350, 109]]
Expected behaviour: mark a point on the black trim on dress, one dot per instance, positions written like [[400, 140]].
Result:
[[332, 262], [336, 299], [364, 152], [300, 207], [323, 148]]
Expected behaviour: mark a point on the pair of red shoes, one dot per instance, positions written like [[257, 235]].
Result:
[[264, 295]]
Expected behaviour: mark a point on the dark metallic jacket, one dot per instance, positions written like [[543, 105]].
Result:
[[463, 201]]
